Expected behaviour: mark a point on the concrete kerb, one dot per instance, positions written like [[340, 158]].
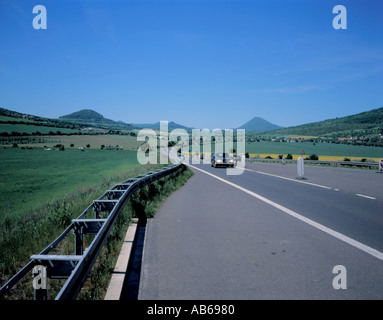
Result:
[[119, 272]]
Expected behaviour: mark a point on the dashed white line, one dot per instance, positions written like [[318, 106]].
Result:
[[364, 196], [299, 181], [305, 182], [371, 251]]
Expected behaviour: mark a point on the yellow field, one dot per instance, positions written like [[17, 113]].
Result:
[[324, 158], [296, 156]]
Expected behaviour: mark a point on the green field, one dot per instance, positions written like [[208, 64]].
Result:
[[323, 150], [7, 127], [42, 191], [30, 178], [95, 141], [320, 149]]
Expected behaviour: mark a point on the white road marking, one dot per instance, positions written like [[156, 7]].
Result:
[[371, 251], [364, 196], [294, 180], [309, 183]]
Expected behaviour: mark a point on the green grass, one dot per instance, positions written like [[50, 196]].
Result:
[[6, 127], [95, 141], [42, 191], [147, 200], [21, 238], [29, 178], [13, 119], [319, 149]]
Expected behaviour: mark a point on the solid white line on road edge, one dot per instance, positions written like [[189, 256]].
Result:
[[368, 197], [274, 175], [375, 253]]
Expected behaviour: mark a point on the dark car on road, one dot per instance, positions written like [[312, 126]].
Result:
[[222, 159]]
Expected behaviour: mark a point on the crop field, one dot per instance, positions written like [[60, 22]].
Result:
[[95, 141], [325, 151], [6, 127], [32, 177]]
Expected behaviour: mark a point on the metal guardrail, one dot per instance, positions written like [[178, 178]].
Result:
[[336, 163], [75, 268]]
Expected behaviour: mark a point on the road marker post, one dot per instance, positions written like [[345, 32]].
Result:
[[380, 166], [301, 170]]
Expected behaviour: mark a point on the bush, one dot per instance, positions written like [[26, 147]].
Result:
[[346, 159], [247, 155], [313, 157], [289, 157]]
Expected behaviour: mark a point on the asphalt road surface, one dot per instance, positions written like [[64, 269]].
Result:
[[267, 235]]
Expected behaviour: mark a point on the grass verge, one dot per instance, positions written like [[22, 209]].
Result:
[[19, 241], [147, 200]]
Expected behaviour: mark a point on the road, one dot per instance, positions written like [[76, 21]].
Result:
[[267, 235]]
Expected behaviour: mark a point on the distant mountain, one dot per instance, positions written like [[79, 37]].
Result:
[[93, 118], [156, 126], [362, 124], [258, 124], [86, 115]]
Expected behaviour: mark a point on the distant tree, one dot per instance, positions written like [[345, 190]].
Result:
[[15, 145], [71, 145], [88, 145], [312, 157], [60, 147], [102, 146]]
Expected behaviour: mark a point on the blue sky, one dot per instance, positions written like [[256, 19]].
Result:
[[211, 63]]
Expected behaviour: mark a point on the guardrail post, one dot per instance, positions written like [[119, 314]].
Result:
[[97, 212], [78, 240]]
